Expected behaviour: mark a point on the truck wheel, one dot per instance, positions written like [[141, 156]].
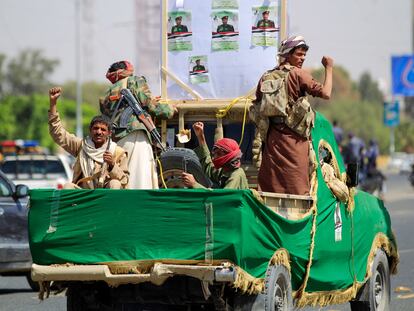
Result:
[[278, 291], [176, 160], [246, 302], [33, 285], [378, 287]]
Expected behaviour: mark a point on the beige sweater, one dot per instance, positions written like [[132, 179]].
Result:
[[73, 145]]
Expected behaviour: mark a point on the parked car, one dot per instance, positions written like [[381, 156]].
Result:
[[400, 162], [15, 258], [38, 170]]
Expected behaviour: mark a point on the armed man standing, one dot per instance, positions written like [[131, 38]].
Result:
[[285, 118], [99, 161], [129, 132]]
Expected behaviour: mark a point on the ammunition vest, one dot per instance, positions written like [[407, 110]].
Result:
[[125, 119], [297, 115]]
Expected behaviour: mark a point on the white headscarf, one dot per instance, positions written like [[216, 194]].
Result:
[[287, 46], [90, 154]]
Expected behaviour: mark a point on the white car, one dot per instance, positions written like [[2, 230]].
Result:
[[38, 170], [401, 162]]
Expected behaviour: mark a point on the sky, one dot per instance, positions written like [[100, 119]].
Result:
[[359, 35]]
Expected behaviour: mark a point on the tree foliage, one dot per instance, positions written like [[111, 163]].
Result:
[[358, 108], [91, 91], [2, 73], [368, 89], [26, 117], [26, 74]]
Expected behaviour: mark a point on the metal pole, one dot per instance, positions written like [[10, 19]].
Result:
[[164, 48], [412, 24], [283, 33], [392, 140], [78, 21]]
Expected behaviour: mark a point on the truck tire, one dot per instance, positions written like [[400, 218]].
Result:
[[249, 302], [174, 161], [378, 287], [33, 285], [278, 290]]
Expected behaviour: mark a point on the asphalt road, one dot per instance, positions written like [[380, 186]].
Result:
[[15, 294]]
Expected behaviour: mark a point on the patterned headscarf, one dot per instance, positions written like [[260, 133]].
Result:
[[288, 45], [232, 156], [120, 73]]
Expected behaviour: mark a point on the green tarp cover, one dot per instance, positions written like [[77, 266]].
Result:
[[96, 226]]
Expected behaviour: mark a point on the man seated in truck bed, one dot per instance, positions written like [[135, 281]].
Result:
[[224, 168], [100, 163]]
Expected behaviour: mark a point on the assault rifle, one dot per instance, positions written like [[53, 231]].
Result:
[[143, 116]]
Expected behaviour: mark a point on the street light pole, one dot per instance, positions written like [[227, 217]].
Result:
[[78, 21]]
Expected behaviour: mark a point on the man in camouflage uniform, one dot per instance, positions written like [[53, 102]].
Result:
[[225, 27], [223, 167], [198, 67], [285, 125], [129, 132], [178, 27], [265, 22]]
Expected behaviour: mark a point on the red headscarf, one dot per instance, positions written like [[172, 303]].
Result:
[[119, 74], [232, 156]]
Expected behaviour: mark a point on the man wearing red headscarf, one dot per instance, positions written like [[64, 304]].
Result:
[[223, 168]]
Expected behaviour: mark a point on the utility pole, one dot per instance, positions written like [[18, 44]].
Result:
[[78, 53], [412, 25]]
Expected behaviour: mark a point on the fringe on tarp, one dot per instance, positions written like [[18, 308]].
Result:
[[248, 284], [351, 200], [323, 299], [381, 241], [281, 257], [251, 285], [44, 290]]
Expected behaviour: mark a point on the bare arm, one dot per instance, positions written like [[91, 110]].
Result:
[[327, 62], [198, 128]]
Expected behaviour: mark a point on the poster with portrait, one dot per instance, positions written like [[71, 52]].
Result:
[[225, 4], [234, 68], [225, 30], [198, 69], [265, 26], [179, 31]]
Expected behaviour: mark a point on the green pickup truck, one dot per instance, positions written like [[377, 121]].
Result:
[[212, 249]]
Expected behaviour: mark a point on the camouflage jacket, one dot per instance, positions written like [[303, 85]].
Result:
[[141, 91], [235, 179]]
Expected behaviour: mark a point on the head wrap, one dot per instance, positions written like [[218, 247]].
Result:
[[120, 73], [232, 156], [288, 45]]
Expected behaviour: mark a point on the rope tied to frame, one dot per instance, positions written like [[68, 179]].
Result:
[[221, 113]]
